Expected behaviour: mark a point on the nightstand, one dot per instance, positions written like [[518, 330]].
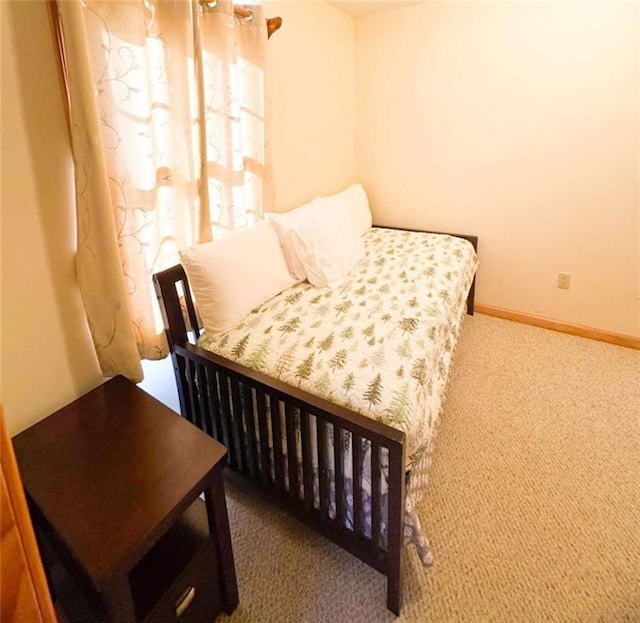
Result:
[[114, 482]]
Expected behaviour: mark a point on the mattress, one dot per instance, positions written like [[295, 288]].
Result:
[[376, 343], [380, 344]]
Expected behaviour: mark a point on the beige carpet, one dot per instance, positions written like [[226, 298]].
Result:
[[533, 506]]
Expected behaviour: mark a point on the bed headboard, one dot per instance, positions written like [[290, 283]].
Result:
[[178, 311]]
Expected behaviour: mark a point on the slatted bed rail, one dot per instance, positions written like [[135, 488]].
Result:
[[308, 454]]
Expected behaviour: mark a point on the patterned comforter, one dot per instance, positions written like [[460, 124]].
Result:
[[380, 344]]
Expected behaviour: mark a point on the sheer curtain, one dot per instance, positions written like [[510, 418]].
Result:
[[167, 118]]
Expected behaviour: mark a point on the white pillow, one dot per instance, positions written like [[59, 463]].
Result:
[[284, 223], [321, 239], [327, 244], [354, 201], [231, 276]]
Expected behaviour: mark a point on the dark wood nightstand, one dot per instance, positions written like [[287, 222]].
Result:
[[114, 482]]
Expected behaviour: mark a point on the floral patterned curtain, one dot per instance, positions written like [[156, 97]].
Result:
[[234, 93], [166, 103]]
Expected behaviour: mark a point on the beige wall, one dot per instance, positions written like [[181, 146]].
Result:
[[47, 359], [313, 101], [518, 122]]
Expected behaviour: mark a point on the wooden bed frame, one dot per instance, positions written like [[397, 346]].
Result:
[[211, 389]]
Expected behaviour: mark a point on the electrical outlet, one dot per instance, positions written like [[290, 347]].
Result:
[[564, 281]]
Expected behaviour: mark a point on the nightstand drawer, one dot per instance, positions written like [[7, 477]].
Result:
[[195, 596]]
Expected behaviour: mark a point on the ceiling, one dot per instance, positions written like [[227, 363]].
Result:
[[358, 8]]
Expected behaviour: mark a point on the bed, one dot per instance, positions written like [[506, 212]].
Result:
[[328, 399]]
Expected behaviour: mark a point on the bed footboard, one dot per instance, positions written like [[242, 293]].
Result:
[[309, 455]]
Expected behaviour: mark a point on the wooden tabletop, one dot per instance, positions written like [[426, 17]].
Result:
[[111, 472]]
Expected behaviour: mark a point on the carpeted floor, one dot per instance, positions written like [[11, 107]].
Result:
[[533, 507]]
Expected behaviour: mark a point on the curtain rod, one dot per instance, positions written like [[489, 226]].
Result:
[[273, 23]]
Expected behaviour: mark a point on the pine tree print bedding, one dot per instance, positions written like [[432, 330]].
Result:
[[380, 344]]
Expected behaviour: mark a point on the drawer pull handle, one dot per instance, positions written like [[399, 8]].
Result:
[[184, 601]]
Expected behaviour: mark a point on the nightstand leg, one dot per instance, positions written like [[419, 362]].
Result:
[[219, 529], [119, 602]]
